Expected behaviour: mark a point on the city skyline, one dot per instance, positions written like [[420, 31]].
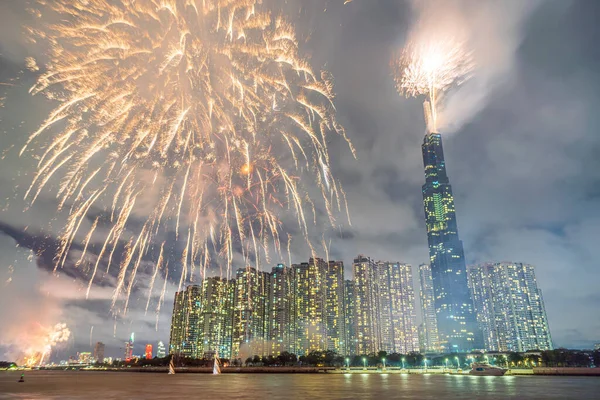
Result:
[[523, 171]]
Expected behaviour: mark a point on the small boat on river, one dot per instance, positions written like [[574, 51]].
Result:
[[482, 369]]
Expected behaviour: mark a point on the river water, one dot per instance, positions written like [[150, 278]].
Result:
[[122, 385]]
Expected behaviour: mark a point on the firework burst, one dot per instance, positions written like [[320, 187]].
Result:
[[201, 111], [431, 63], [42, 343]]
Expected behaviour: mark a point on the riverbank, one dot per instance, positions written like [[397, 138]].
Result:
[[333, 370]]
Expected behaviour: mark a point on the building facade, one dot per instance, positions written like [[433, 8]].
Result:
[[251, 314], [99, 352], [349, 317], [215, 319], [160, 350], [456, 321], [184, 322], [510, 307], [366, 307], [429, 341]]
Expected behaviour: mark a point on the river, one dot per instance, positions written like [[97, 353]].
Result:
[[123, 385]]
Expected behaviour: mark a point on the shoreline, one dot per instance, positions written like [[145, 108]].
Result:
[[542, 371]]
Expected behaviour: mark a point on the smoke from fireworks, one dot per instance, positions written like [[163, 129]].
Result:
[[201, 111], [434, 60], [41, 340]]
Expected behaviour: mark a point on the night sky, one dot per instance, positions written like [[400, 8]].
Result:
[[521, 146]]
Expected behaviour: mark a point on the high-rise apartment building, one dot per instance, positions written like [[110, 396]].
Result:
[[397, 318], [184, 322], [99, 352], [215, 319], [308, 306], [129, 348], [349, 317], [335, 324], [457, 325], [366, 305], [251, 313], [510, 307], [279, 314], [429, 332]]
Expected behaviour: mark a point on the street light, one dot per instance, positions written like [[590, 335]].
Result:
[[383, 359], [347, 363], [425, 361], [403, 360], [446, 363], [364, 363], [457, 362]]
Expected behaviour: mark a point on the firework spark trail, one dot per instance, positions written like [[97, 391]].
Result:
[[205, 102], [431, 63]]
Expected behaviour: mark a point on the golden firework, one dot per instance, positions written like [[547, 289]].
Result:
[[201, 111], [430, 64]]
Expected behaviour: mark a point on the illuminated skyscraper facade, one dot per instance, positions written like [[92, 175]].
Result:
[[148, 352], [366, 315], [160, 350], [429, 331], [251, 313], [510, 307], [349, 317], [279, 314], [184, 322], [335, 324], [215, 320], [457, 325]]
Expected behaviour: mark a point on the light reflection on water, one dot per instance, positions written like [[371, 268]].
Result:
[[97, 385]]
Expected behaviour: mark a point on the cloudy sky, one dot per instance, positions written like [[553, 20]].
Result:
[[521, 144]]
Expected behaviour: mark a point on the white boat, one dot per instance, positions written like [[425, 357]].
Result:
[[217, 365], [483, 369], [171, 367]]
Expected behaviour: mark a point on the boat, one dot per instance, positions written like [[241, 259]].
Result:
[[483, 369], [171, 367], [217, 365]]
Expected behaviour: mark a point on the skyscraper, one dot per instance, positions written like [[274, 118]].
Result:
[[160, 350], [397, 318], [457, 325], [215, 320], [335, 325], [148, 352], [251, 313], [429, 329], [510, 308], [129, 348], [308, 306], [99, 352], [279, 314], [366, 305], [184, 322], [349, 317]]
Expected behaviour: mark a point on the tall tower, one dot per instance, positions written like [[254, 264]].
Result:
[[457, 326], [366, 290]]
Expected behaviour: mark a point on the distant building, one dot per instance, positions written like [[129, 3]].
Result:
[[215, 322], [128, 356], [85, 358], [429, 331], [160, 350], [148, 352], [456, 321], [99, 352], [510, 307], [597, 346], [335, 325]]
